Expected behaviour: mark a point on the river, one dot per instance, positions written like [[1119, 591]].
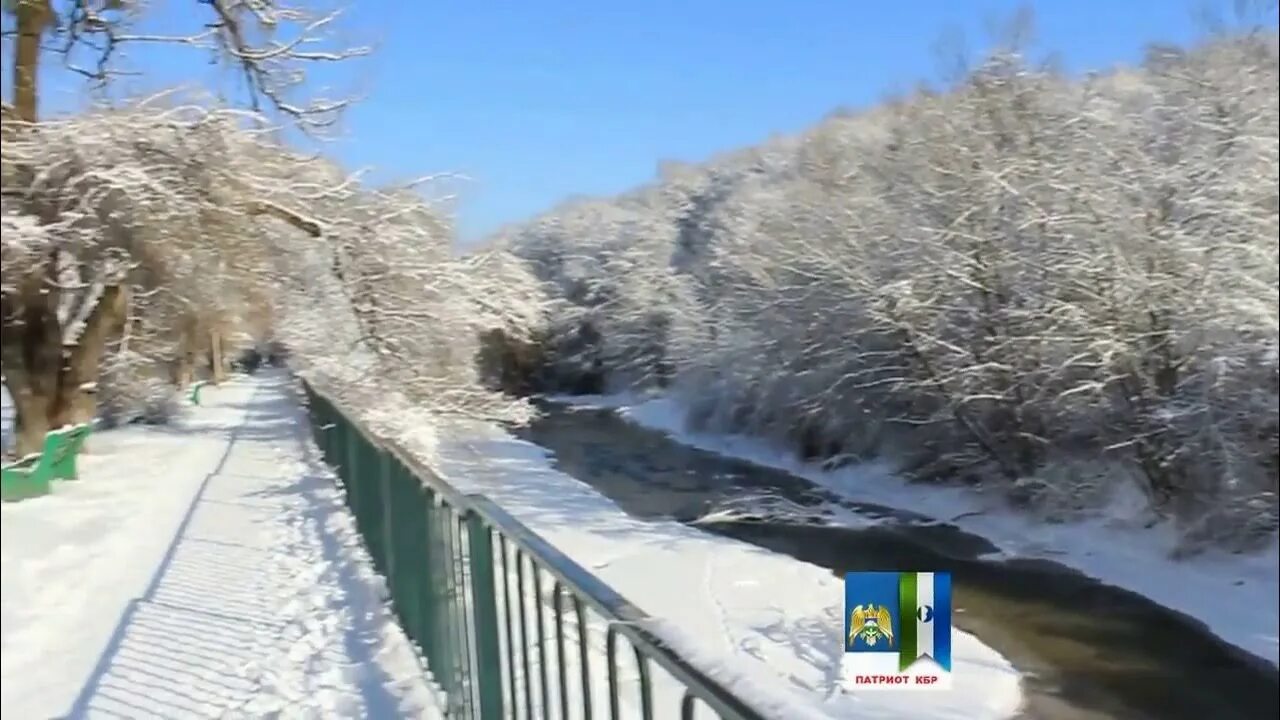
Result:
[[1087, 650]]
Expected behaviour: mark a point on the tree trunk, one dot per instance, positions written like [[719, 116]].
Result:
[[183, 370], [53, 386], [31, 343], [30, 421], [188, 353], [217, 364], [79, 387], [32, 17]]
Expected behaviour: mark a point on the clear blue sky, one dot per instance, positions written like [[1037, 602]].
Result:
[[538, 100]]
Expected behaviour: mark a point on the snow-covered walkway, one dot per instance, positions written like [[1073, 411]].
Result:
[[208, 569]]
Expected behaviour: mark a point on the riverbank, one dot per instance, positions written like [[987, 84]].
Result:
[[767, 626], [1236, 596]]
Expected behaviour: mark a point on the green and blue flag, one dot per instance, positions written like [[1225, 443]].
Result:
[[908, 613]]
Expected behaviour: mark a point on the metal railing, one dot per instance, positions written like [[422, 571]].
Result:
[[509, 626]]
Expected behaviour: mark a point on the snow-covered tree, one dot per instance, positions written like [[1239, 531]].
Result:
[[1057, 285]]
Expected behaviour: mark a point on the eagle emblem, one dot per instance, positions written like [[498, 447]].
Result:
[[870, 623]]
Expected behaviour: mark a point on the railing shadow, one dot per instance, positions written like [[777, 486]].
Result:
[[102, 692], [217, 633]]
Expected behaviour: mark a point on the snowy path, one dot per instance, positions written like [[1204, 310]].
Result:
[[205, 570]]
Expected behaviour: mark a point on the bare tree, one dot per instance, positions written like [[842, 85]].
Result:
[[268, 45]]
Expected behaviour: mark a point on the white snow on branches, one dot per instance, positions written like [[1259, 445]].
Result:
[[1009, 281]]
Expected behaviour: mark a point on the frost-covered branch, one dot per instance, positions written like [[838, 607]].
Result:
[[1026, 279]]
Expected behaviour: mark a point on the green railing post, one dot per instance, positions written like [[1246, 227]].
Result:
[[348, 469], [388, 521], [453, 618], [441, 649], [485, 619], [443, 589], [407, 586], [431, 642], [368, 520], [328, 419]]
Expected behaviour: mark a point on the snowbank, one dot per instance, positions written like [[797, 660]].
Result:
[[1242, 589], [764, 624], [204, 569]]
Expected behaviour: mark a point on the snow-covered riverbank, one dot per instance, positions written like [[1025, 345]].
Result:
[[1236, 595], [766, 625]]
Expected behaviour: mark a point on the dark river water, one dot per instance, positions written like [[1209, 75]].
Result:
[[1087, 650]]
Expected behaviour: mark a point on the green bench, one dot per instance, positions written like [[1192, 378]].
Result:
[[195, 391], [33, 475]]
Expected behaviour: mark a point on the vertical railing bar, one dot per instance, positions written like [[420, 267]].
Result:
[[457, 627], [411, 587], [327, 428], [611, 664], [484, 600], [439, 641], [433, 644], [468, 635], [388, 525], [686, 705], [524, 636], [427, 600], [332, 433], [351, 437], [583, 656], [562, 672], [455, 599], [441, 579], [506, 601], [458, 616], [348, 470], [542, 639], [646, 691], [321, 415], [377, 521], [360, 485]]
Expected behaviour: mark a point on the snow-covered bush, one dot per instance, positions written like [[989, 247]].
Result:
[[126, 395], [1054, 285], [510, 316]]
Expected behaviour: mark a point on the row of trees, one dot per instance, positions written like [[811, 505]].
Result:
[[151, 241], [144, 241], [1062, 285]]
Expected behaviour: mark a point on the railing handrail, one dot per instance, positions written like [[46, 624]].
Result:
[[624, 616], [627, 619]]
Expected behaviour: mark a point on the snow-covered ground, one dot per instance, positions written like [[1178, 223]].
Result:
[[767, 626], [206, 569], [210, 568], [6, 419], [1237, 595]]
